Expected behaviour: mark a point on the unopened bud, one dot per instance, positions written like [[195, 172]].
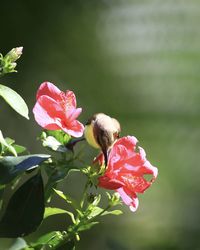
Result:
[[14, 54]]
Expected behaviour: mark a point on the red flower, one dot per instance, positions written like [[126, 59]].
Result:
[[55, 110], [125, 171]]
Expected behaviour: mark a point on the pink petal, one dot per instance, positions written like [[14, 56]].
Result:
[[46, 112], [134, 183], [130, 199], [128, 141], [99, 159], [108, 183], [75, 128], [122, 151], [49, 89], [73, 113], [70, 99]]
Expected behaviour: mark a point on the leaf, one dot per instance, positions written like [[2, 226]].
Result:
[[14, 100], [54, 144], [61, 194], [114, 212], [87, 226], [69, 200], [2, 188], [59, 135], [95, 211], [11, 167], [25, 209], [51, 239], [19, 149], [58, 174], [18, 244], [49, 211], [6, 144]]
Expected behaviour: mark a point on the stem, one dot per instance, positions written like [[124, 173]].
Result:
[[72, 233], [84, 194]]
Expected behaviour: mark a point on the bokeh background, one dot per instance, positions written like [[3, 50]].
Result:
[[138, 61]]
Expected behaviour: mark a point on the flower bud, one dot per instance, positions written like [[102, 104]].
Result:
[[14, 54]]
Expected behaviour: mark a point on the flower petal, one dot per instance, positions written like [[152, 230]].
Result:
[[75, 128], [130, 199], [49, 89], [134, 183], [71, 99], [108, 183], [73, 113], [47, 113]]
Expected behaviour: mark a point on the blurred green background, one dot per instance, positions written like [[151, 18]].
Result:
[[138, 61]]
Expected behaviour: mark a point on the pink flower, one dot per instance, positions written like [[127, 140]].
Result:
[[56, 110], [125, 171]]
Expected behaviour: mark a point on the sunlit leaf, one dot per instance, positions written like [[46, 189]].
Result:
[[87, 226], [54, 144], [18, 244], [50, 239], [25, 209], [6, 143], [68, 200], [94, 212], [14, 100], [11, 167], [113, 212], [59, 135], [49, 211], [19, 149]]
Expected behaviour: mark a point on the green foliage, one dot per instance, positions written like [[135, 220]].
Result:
[[11, 167], [14, 100], [49, 211], [8, 146], [8, 62], [7, 65], [25, 209], [55, 140], [18, 244]]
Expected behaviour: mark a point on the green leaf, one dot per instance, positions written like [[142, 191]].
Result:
[[14, 100], [51, 239], [18, 244], [9, 140], [59, 135], [6, 143], [54, 144], [49, 211], [62, 195], [25, 209], [2, 188], [68, 200], [19, 149], [114, 212], [56, 175], [11, 167], [87, 226], [94, 212]]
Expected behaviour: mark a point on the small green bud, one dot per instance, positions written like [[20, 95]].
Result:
[[115, 199], [14, 54]]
